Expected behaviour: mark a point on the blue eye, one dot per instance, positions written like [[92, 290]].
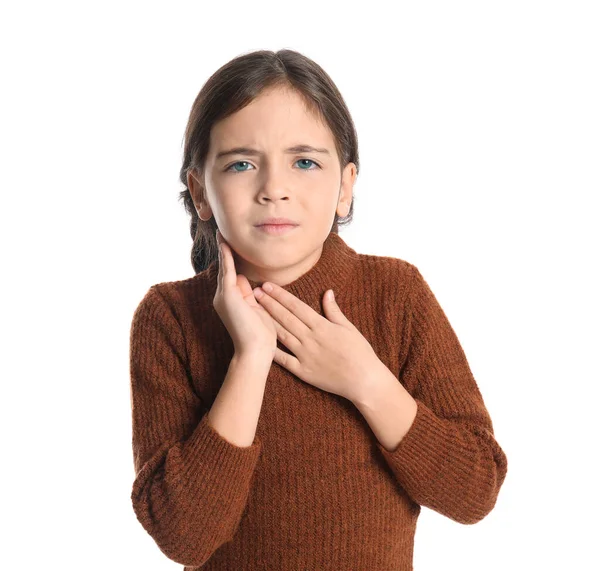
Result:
[[310, 161], [231, 169], [237, 163]]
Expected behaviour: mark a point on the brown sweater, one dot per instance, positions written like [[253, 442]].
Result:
[[316, 490]]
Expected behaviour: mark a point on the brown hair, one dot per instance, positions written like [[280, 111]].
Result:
[[235, 85]]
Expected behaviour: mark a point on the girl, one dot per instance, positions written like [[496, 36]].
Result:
[[276, 427]]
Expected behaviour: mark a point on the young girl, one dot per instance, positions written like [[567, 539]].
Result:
[[276, 427]]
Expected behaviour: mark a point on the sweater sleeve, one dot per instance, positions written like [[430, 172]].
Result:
[[449, 460], [191, 485]]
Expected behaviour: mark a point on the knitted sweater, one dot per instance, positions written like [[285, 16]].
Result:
[[316, 490]]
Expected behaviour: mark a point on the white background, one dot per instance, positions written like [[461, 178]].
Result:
[[479, 140]]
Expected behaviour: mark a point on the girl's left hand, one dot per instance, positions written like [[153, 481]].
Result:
[[330, 354]]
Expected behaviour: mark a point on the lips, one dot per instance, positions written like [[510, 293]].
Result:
[[277, 229], [277, 222]]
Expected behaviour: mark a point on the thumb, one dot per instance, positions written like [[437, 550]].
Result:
[[332, 309]]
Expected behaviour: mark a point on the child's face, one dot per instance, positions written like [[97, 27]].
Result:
[[244, 188]]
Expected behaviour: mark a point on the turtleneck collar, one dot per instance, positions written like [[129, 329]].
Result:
[[332, 271]]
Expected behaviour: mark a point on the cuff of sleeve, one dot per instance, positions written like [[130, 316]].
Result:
[[423, 452], [226, 464]]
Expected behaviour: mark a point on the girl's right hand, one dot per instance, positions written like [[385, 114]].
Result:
[[250, 326]]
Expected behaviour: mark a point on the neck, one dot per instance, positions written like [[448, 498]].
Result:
[[331, 271]]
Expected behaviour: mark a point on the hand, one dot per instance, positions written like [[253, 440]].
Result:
[[249, 325], [329, 353]]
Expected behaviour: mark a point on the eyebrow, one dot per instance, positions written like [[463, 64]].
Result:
[[289, 150]]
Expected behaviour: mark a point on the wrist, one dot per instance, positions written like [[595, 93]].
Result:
[[260, 355], [371, 384]]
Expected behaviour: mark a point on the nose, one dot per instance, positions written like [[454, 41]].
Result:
[[274, 185]]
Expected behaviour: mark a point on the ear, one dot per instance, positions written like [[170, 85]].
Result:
[[197, 191], [346, 188]]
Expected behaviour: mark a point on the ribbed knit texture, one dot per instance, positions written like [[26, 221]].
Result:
[[315, 490]]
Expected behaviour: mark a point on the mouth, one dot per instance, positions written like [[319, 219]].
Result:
[[276, 229]]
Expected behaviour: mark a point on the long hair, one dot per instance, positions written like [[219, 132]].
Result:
[[235, 85]]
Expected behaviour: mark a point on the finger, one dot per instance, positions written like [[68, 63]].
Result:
[[284, 317], [285, 337], [226, 261], [247, 293], [287, 361], [289, 302], [220, 272]]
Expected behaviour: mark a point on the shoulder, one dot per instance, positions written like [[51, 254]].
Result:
[[198, 289], [168, 298], [386, 264], [390, 276]]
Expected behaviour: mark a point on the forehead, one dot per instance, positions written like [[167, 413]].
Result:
[[277, 116]]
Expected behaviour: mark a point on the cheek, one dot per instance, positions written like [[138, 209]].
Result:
[[320, 199], [232, 206]]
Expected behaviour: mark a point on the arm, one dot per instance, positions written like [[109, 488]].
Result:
[[436, 434], [192, 483], [388, 407], [235, 412]]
